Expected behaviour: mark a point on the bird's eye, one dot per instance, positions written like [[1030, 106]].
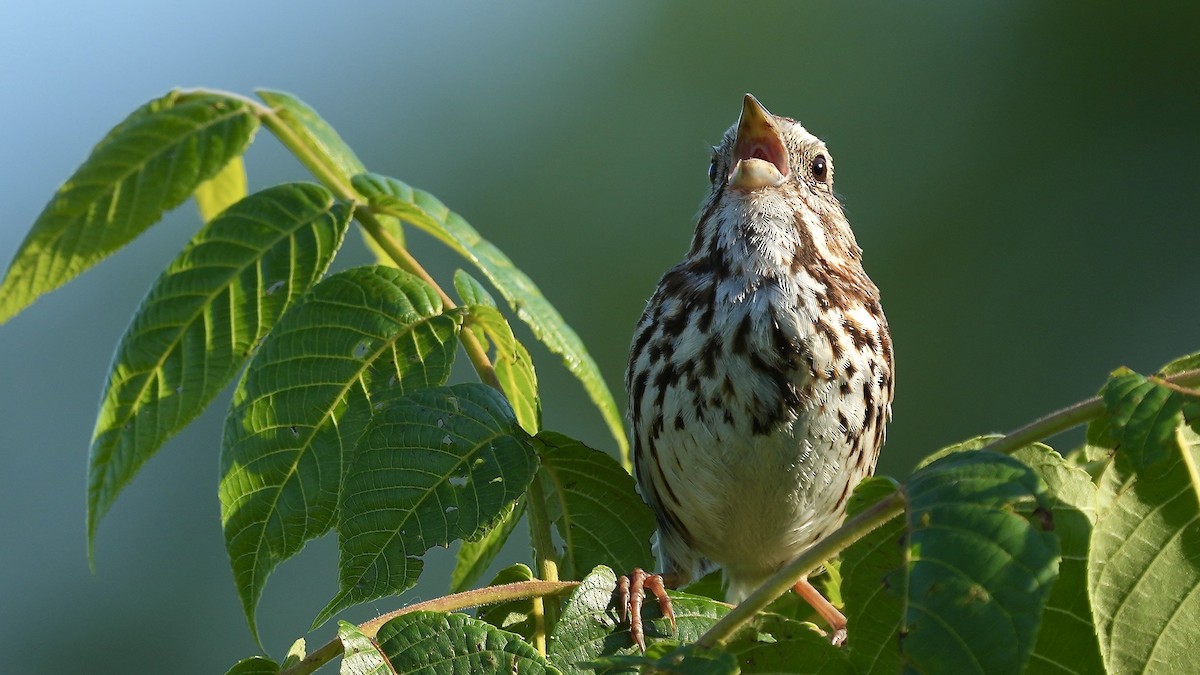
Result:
[[712, 170], [820, 168]]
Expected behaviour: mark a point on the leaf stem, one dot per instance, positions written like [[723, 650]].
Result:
[[521, 590], [545, 615], [322, 169]]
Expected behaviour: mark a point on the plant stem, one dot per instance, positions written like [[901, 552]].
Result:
[[545, 615], [329, 177], [491, 595], [880, 512]]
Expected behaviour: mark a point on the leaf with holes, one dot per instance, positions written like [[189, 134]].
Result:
[[393, 197], [979, 564], [361, 656], [438, 465], [200, 322], [359, 339], [148, 164], [1066, 641], [431, 643], [595, 508]]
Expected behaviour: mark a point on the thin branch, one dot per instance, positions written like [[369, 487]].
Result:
[[491, 595]]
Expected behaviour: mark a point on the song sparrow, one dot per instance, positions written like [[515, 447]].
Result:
[[760, 377]]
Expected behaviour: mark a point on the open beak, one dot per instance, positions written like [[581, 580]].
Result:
[[760, 160]]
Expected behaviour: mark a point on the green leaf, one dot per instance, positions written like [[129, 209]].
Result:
[[1066, 641], [475, 555], [361, 654], [432, 643], [874, 585], [588, 630], [1141, 418], [392, 197], [438, 465], [513, 365], [515, 616], [255, 665], [222, 190], [150, 163], [595, 508], [201, 320], [328, 148], [1144, 567], [979, 572], [359, 339]]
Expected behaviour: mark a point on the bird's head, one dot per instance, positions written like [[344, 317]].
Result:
[[765, 152]]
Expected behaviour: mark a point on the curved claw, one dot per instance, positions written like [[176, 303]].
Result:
[[631, 592]]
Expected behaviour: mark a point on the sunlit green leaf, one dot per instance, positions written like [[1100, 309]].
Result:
[[1066, 641], [514, 367], [202, 319], [475, 555], [438, 465], [328, 148], [1144, 563], [392, 197], [968, 571], [149, 164], [359, 339], [1141, 419], [1181, 364], [430, 643], [296, 653], [222, 190], [361, 655], [595, 508]]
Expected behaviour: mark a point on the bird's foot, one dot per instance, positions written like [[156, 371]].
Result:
[[631, 591]]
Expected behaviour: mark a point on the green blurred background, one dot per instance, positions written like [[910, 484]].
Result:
[[1022, 178]]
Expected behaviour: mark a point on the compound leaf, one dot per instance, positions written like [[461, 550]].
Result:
[[200, 322], [359, 339], [148, 164]]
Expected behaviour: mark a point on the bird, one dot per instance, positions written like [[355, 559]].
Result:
[[760, 375]]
